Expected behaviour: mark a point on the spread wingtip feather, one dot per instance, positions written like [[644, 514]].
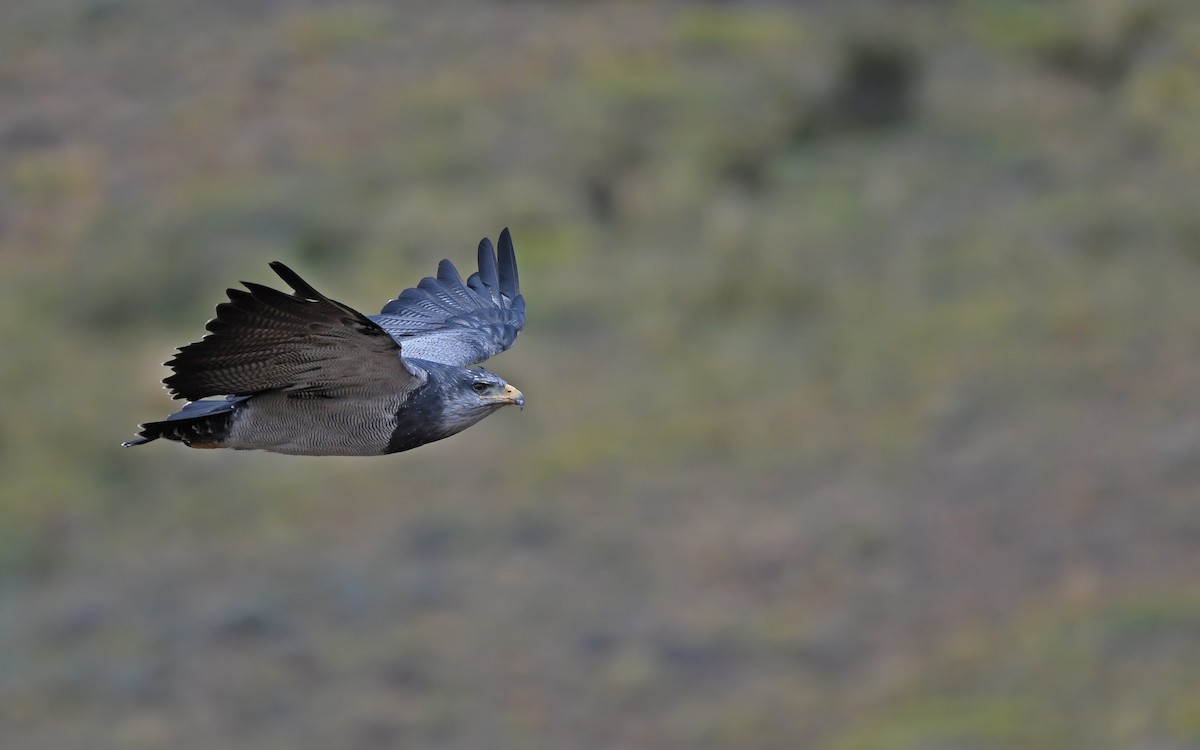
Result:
[[299, 285]]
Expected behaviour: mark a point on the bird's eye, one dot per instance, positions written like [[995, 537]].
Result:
[[479, 386]]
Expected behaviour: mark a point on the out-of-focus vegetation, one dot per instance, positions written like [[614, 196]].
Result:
[[863, 371]]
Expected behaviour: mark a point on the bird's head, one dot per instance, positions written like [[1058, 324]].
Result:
[[469, 395], [489, 389]]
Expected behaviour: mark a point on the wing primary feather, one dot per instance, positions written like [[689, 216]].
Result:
[[447, 274], [508, 266], [487, 268], [301, 287], [266, 294], [438, 293], [476, 285]]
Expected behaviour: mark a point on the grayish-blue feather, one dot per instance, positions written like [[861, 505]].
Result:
[[444, 320]]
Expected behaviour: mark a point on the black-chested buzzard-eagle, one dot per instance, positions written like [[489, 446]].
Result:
[[303, 374]]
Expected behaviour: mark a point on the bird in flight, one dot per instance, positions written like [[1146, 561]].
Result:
[[303, 374]]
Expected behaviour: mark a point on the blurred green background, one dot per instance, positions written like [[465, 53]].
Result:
[[862, 367]]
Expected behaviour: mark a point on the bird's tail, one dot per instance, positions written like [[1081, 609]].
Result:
[[199, 424]]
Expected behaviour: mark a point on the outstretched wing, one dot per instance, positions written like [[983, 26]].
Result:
[[265, 339], [445, 320]]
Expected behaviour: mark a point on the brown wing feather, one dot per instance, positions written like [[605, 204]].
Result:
[[264, 339]]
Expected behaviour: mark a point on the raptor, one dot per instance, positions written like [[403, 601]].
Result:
[[303, 374]]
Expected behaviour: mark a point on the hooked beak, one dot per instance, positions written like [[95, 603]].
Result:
[[513, 396]]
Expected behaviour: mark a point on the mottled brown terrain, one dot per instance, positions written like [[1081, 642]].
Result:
[[862, 368]]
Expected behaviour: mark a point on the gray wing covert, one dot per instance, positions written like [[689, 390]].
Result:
[[264, 339], [444, 320]]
